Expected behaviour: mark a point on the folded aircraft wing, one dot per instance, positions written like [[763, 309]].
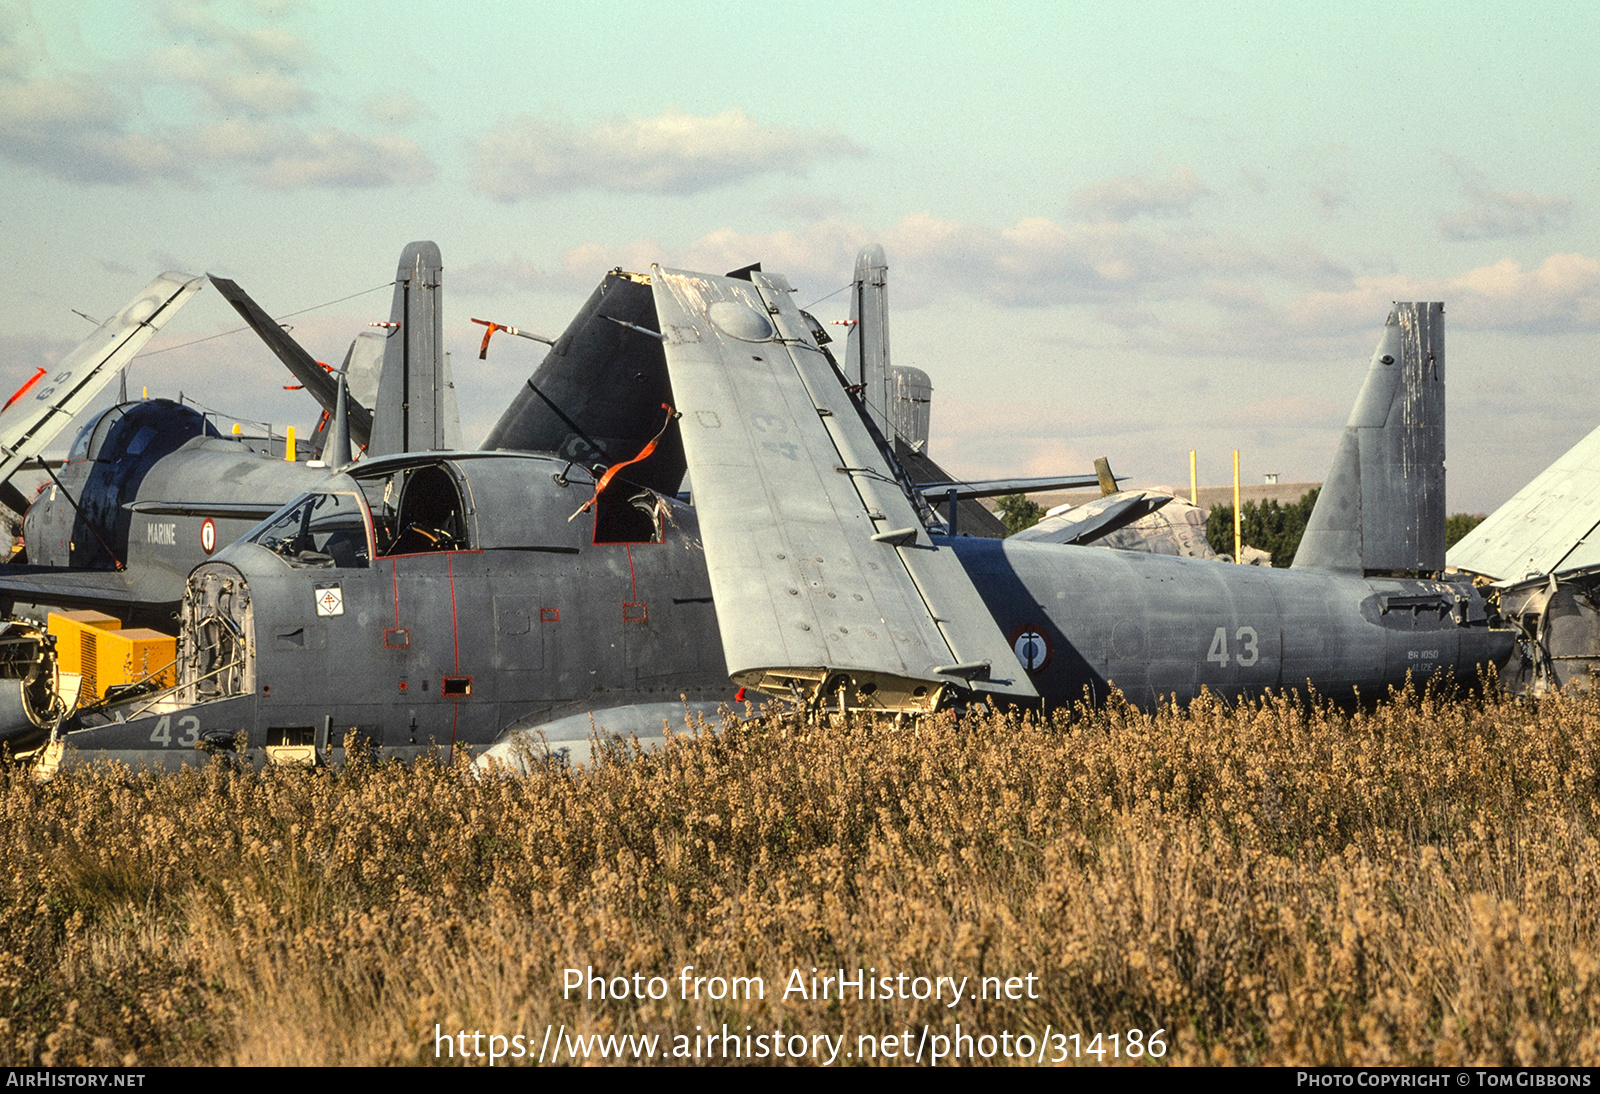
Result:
[[318, 381], [1549, 526], [825, 580], [47, 404]]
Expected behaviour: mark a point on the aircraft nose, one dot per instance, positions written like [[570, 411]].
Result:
[[218, 634]]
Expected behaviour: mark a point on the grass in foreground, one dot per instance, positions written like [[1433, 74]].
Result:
[[1419, 883]]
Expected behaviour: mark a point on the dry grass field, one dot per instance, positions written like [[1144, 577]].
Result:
[[1270, 884]]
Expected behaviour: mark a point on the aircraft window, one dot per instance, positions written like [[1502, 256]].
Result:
[[141, 440], [430, 516], [102, 430], [80, 446], [320, 530]]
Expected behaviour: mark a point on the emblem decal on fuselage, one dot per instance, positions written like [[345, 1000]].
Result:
[[1031, 647], [330, 598]]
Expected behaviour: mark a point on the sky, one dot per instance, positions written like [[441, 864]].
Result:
[[1113, 232]]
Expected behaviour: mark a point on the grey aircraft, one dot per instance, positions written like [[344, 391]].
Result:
[[150, 489], [1539, 558], [432, 600]]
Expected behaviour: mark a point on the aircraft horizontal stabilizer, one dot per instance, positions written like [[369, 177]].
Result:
[[994, 488], [825, 582], [48, 403], [1101, 517]]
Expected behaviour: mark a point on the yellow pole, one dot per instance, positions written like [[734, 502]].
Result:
[[288, 454], [1194, 481], [1238, 540]]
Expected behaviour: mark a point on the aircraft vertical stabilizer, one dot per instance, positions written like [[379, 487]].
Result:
[[913, 400], [866, 355], [1381, 510], [449, 406], [336, 451], [597, 396], [411, 412]]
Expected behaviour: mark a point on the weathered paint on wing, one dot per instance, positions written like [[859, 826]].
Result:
[[1549, 526], [866, 354], [791, 490], [49, 406], [1085, 523], [994, 488]]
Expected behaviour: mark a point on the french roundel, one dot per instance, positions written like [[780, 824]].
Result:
[[208, 536], [1032, 647]]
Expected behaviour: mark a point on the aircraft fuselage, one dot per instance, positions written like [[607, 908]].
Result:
[[527, 623]]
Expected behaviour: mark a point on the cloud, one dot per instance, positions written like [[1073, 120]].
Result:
[[1165, 290], [669, 153], [85, 127], [20, 51], [22, 354], [1499, 214], [340, 159], [76, 129], [1561, 294], [1036, 262], [193, 20], [394, 108], [800, 206], [1502, 214], [1330, 199], [1123, 198], [236, 70]]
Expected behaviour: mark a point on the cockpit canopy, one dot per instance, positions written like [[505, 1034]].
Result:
[[319, 529], [151, 428], [349, 522]]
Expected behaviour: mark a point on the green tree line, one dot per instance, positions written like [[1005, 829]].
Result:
[[1266, 525], [1270, 526]]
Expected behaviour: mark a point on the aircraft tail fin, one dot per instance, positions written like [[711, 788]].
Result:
[[337, 452], [411, 414], [866, 354], [1381, 510], [913, 404]]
